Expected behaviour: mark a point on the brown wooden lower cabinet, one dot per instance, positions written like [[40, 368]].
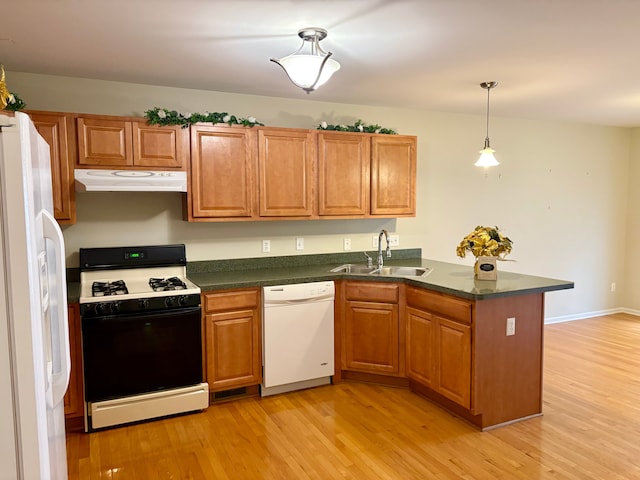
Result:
[[371, 337], [73, 399], [439, 354], [371, 333], [232, 339]]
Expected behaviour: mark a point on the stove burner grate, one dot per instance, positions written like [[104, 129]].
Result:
[[163, 284], [103, 289]]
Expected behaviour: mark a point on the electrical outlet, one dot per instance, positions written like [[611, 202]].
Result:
[[613, 286], [299, 243], [374, 241], [394, 240], [346, 244], [266, 246], [511, 326]]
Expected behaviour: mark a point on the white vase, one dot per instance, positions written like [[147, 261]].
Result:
[[485, 268]]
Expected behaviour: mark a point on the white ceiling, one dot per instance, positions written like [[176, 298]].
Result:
[[573, 60]]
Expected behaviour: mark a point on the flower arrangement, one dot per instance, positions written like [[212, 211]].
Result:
[[359, 126], [163, 116], [485, 241], [8, 100], [15, 103]]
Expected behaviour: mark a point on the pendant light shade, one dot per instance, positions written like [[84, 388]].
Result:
[[486, 154], [312, 69]]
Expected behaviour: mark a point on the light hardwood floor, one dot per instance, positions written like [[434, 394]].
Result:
[[590, 428]]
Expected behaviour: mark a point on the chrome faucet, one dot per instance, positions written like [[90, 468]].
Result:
[[386, 236]]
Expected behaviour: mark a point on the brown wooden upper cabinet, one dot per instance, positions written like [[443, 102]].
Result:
[[222, 176], [117, 142], [393, 175], [59, 132], [343, 173], [286, 170], [270, 173], [366, 175]]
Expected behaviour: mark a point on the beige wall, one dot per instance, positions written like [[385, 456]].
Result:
[[561, 192], [632, 259]]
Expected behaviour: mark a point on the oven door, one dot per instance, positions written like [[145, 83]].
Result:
[[141, 353]]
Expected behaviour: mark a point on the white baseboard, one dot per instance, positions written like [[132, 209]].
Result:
[[585, 315]]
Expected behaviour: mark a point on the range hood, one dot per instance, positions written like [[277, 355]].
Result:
[[130, 181]]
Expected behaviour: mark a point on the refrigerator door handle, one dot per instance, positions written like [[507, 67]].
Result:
[[60, 380]]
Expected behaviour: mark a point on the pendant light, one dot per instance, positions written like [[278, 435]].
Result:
[[486, 154], [309, 70]]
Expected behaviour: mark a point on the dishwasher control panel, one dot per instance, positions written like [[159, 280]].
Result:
[[298, 292]]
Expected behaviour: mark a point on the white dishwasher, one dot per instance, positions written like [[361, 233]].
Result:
[[297, 336]]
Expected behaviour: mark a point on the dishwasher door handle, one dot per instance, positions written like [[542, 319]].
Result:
[[297, 301]]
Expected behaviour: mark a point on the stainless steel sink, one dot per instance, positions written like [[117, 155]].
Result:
[[354, 269], [404, 271], [391, 271]]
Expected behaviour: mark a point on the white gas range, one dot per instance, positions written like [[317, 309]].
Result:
[[141, 335]]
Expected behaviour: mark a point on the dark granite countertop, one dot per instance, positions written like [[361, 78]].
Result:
[[444, 277]]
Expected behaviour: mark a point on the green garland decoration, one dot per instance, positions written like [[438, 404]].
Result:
[[359, 126], [163, 116], [15, 103]]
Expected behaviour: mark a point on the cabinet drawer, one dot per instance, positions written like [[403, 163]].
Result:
[[446, 305], [221, 301], [372, 291]]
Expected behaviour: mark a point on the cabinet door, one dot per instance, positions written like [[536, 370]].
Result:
[[104, 142], [286, 159], [159, 147], [454, 361], [393, 175], [233, 350], [420, 346], [58, 131], [73, 399], [343, 173], [371, 338], [222, 172]]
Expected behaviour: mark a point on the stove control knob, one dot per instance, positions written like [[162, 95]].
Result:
[[115, 307], [182, 300], [100, 308], [170, 301], [143, 303]]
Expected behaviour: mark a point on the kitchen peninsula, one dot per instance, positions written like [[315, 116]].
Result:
[[474, 347], [444, 335]]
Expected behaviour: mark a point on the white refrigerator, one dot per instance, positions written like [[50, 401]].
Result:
[[34, 335]]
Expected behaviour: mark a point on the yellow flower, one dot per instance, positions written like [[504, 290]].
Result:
[[485, 241]]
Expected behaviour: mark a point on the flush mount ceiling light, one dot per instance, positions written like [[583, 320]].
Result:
[[309, 70], [486, 154]]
